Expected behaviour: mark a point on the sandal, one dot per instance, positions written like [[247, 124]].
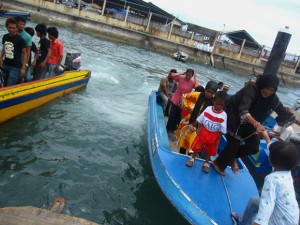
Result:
[[190, 163], [216, 167], [205, 167], [234, 167]]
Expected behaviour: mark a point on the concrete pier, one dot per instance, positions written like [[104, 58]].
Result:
[[36, 216], [162, 41]]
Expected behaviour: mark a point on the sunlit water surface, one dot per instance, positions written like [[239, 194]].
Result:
[[91, 146]]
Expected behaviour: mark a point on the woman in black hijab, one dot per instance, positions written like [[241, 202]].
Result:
[[246, 111]]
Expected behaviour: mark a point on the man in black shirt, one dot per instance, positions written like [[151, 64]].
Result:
[[13, 67], [43, 53]]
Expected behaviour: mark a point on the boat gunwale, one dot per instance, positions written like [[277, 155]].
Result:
[[159, 147], [35, 85]]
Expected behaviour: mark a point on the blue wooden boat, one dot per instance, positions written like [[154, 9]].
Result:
[[4, 12], [200, 197], [258, 164]]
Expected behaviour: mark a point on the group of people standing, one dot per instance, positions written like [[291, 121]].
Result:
[[16, 61], [200, 116]]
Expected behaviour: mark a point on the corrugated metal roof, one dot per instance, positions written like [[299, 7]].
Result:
[[238, 36]]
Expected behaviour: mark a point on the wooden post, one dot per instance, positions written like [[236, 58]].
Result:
[[79, 3], [241, 49], [149, 21], [193, 34], [262, 50], [297, 64], [171, 28], [127, 11], [103, 7], [215, 41], [54, 4]]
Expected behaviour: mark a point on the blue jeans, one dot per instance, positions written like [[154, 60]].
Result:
[[250, 212], [162, 99], [12, 73], [45, 73], [28, 74], [51, 69]]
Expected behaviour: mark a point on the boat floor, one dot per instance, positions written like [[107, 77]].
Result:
[[211, 199], [36, 216]]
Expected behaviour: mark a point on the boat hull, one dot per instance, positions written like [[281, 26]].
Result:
[[18, 99], [258, 164], [200, 197], [13, 13]]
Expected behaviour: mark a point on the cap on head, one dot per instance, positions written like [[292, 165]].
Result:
[[226, 87]]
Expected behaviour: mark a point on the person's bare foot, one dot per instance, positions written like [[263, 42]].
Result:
[[235, 216], [235, 167]]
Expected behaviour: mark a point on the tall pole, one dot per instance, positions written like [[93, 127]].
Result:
[[103, 7], [278, 52]]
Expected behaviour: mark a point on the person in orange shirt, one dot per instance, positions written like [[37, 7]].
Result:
[[57, 50]]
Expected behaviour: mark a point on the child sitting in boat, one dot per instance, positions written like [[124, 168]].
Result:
[[277, 204], [283, 128], [213, 120]]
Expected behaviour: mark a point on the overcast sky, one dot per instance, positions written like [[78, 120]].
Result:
[[260, 18]]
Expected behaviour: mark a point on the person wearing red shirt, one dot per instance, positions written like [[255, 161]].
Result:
[[57, 50]]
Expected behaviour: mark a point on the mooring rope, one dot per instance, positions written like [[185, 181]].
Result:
[[234, 221]]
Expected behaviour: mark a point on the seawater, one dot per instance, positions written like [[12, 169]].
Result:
[[90, 147]]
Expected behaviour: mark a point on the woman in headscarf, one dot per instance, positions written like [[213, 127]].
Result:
[[246, 111], [195, 103], [185, 85]]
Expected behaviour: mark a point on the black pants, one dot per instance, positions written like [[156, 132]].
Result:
[[174, 118], [234, 149]]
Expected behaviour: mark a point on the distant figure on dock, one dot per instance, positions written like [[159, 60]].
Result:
[[57, 52]]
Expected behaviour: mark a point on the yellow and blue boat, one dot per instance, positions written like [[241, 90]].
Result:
[[18, 99]]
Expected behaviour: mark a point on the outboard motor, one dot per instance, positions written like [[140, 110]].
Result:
[[295, 139], [72, 61]]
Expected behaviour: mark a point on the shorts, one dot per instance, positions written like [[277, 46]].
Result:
[[206, 139]]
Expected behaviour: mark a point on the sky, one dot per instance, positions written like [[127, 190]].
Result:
[[262, 19]]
